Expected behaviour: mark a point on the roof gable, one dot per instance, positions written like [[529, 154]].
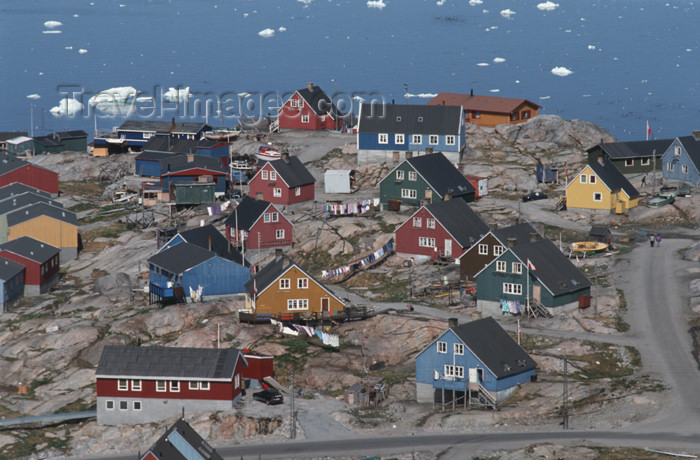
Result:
[[634, 149], [9, 269], [459, 220], [292, 171], [170, 445], [31, 249], [247, 213], [180, 163], [318, 101], [209, 238], [612, 177], [181, 257], [410, 119], [476, 103], [692, 148], [441, 175]]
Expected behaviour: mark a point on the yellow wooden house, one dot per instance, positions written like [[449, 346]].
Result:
[[600, 185]]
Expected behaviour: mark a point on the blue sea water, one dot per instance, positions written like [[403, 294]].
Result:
[[630, 60]]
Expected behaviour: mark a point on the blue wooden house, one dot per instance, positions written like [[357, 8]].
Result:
[[475, 364], [193, 168], [214, 149], [537, 269], [147, 163], [134, 134], [390, 133], [681, 161], [11, 282]]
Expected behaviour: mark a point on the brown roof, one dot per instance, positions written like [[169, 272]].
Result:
[[490, 104]]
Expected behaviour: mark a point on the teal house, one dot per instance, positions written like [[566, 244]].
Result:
[[537, 269], [424, 180], [681, 161]]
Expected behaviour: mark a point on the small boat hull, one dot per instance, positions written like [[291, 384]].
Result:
[[588, 247], [222, 135], [661, 200], [266, 153]]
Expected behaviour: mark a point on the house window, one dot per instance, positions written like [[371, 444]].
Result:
[[442, 347], [137, 405], [304, 118], [684, 169], [408, 193], [416, 139], [237, 381], [297, 191], [300, 103], [399, 139], [277, 192], [629, 162], [426, 242], [459, 348], [302, 283], [669, 167], [263, 174], [645, 162], [597, 196], [175, 386], [450, 140], [297, 304], [477, 115], [459, 372], [204, 385], [161, 386], [591, 179], [583, 178], [430, 223], [109, 405], [273, 175], [498, 250], [193, 385], [433, 139], [526, 114], [123, 385], [383, 138], [292, 102], [501, 266], [266, 217], [514, 116], [399, 175], [136, 385], [147, 135], [483, 249], [449, 370], [412, 175], [275, 217], [677, 151], [417, 222], [279, 234], [284, 283], [123, 405], [512, 288], [517, 267]]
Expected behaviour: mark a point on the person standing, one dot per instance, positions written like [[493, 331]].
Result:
[[658, 239], [651, 240]]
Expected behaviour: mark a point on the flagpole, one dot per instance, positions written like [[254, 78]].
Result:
[[527, 300]]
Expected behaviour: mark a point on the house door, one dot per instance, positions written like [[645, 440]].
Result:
[[448, 247], [396, 157], [325, 304], [473, 375], [429, 195], [536, 293]]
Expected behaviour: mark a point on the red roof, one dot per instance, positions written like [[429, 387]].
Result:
[[492, 104]]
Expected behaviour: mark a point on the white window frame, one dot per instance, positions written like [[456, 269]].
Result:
[[293, 102], [458, 348], [417, 222], [477, 115], [285, 283], [273, 175], [644, 161], [383, 138], [304, 118], [677, 150], [297, 191], [512, 288], [123, 405], [442, 347], [108, 403], [669, 167], [279, 234], [516, 267], [416, 139], [450, 140], [161, 386], [412, 176], [498, 250], [583, 179], [399, 174], [629, 162], [136, 385], [302, 283], [409, 193], [459, 372], [300, 103], [684, 169], [297, 304], [204, 386], [425, 242], [483, 249], [193, 385], [123, 384], [263, 174], [597, 196], [433, 139], [275, 216], [148, 135], [592, 179], [429, 223], [277, 192], [501, 266], [137, 406], [399, 139], [266, 217], [175, 386]]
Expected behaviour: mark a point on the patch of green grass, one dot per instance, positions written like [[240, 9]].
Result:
[[604, 361], [624, 453], [83, 188], [623, 302], [80, 207], [395, 378], [620, 324], [370, 417]]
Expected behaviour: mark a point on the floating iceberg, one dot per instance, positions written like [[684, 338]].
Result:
[[379, 4], [547, 6], [52, 24], [494, 90], [282, 29], [507, 13], [69, 47], [591, 47], [475, 2], [33, 96], [305, 2], [483, 64], [117, 95], [176, 94], [51, 31], [440, 2], [421, 95], [82, 51], [267, 33], [67, 107], [498, 60], [561, 71]]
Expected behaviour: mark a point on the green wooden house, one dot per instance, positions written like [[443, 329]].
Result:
[[634, 157], [536, 269], [425, 179]]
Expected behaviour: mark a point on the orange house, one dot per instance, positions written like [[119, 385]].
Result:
[[489, 111], [283, 288]]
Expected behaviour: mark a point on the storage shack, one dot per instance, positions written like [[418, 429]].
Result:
[[339, 181], [193, 193]]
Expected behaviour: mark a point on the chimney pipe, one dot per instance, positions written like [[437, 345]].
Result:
[[533, 237], [512, 242], [453, 322], [310, 85], [209, 242], [471, 92], [285, 156], [278, 254], [173, 122]]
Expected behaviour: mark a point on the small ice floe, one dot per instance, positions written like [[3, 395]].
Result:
[[493, 27], [33, 96], [118, 95], [267, 33], [483, 64], [475, 2], [245, 15], [498, 60], [52, 24], [421, 95], [67, 107], [305, 2], [379, 4], [176, 94], [547, 6], [51, 31], [82, 51], [542, 98], [69, 48], [591, 47], [507, 13], [144, 99], [688, 50], [440, 2], [282, 29], [76, 16], [41, 73], [122, 6], [561, 71], [494, 91]]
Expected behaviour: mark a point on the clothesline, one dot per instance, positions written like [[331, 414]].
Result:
[[511, 306], [369, 260], [218, 209], [294, 330], [355, 207]]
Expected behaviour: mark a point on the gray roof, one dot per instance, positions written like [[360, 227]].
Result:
[[9, 163], [168, 362], [209, 238], [293, 172], [30, 248], [552, 268], [76, 134], [9, 269], [37, 209], [692, 147], [318, 100], [458, 218], [152, 155], [180, 163], [163, 449], [181, 257], [634, 149], [7, 135], [494, 347], [17, 188], [441, 175], [612, 177], [410, 119], [247, 213], [14, 202], [521, 233], [164, 126], [170, 145], [50, 140]]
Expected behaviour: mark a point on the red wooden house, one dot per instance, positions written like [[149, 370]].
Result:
[[283, 181], [259, 224], [259, 367], [446, 228], [41, 262], [310, 108], [148, 384], [13, 169]]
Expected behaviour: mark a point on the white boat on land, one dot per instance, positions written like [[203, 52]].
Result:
[[267, 153], [222, 134]]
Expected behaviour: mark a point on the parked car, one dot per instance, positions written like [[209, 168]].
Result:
[[533, 196], [269, 396], [233, 194]]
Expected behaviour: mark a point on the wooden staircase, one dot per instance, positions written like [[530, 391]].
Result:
[[537, 310], [275, 125], [480, 396]]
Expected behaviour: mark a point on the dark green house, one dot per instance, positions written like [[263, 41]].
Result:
[[425, 179], [635, 157], [537, 269], [193, 193], [62, 141]]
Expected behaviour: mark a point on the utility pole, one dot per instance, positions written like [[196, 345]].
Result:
[[566, 393], [293, 428], [653, 172]]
